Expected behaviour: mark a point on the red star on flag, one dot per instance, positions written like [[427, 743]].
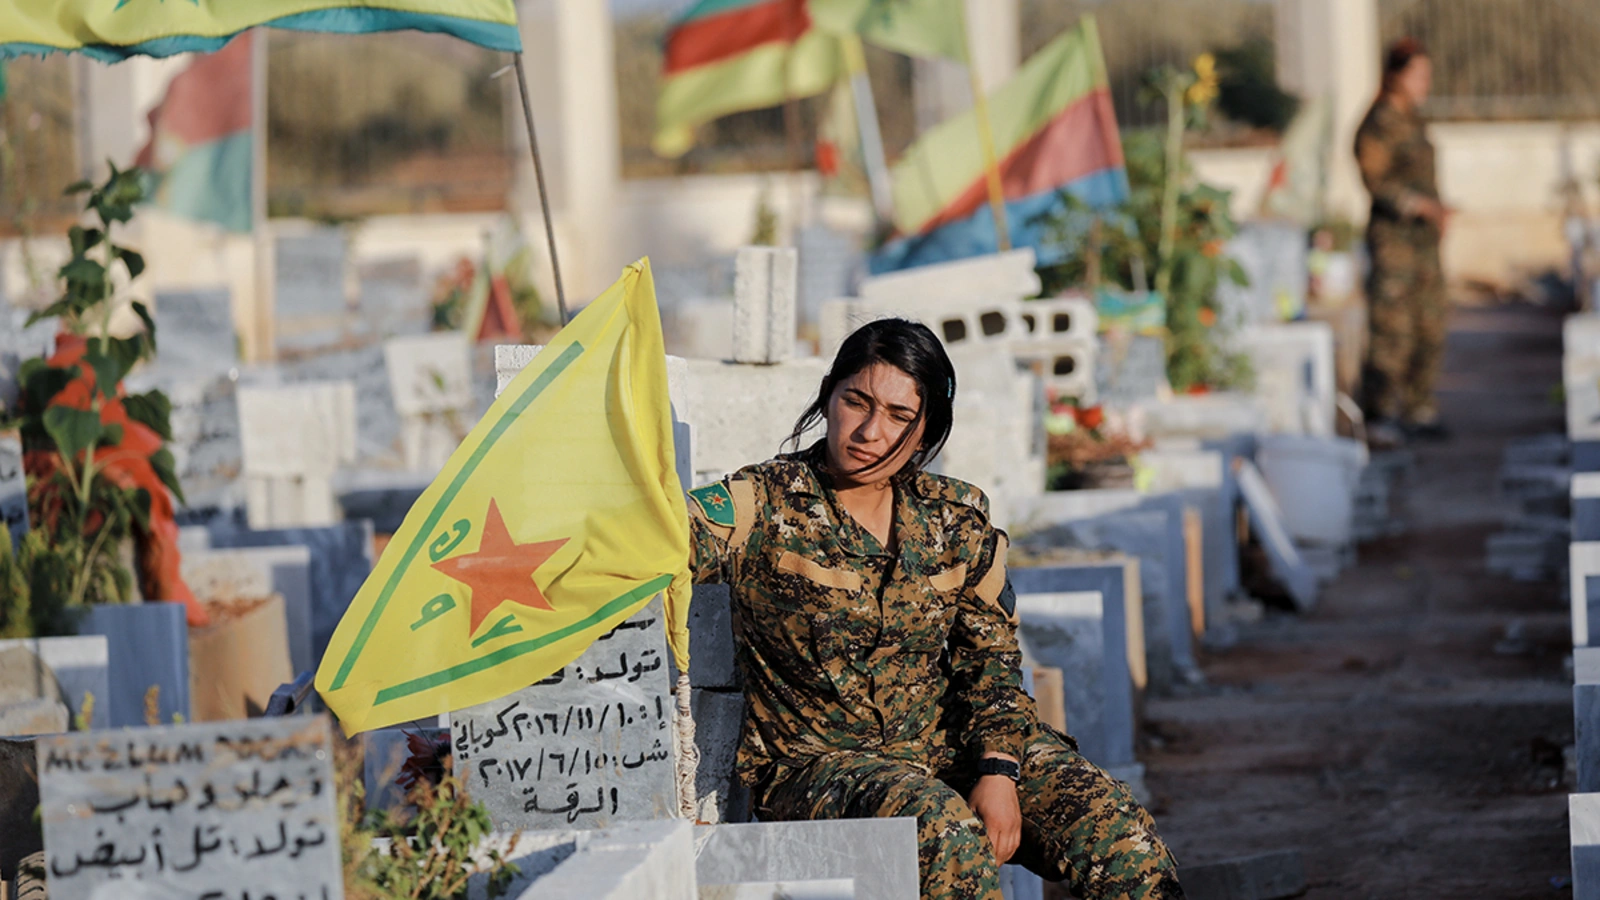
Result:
[[501, 570]]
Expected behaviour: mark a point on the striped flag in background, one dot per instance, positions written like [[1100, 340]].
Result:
[[727, 56], [1055, 130]]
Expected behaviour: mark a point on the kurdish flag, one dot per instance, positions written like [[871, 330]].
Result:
[[727, 56], [1054, 129], [199, 154], [557, 518], [112, 30]]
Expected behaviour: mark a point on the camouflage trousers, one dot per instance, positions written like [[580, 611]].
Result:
[[1079, 825], [1406, 316]]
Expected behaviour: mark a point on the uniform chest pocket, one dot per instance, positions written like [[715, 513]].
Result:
[[835, 579]]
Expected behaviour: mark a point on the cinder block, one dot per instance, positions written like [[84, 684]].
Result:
[[1060, 318], [1065, 365], [743, 414], [765, 287], [880, 855]]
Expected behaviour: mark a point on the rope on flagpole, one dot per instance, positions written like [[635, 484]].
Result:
[[544, 195], [688, 755]]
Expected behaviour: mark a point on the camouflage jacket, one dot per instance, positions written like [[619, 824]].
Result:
[[1396, 161], [845, 646]]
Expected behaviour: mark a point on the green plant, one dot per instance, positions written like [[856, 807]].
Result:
[[1171, 224], [432, 850], [74, 418], [1248, 90]]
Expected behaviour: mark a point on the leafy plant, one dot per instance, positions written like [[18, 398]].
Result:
[[433, 850], [66, 416], [1171, 224], [1248, 89]]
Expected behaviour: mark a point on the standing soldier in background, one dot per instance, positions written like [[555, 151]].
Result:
[[1405, 288]]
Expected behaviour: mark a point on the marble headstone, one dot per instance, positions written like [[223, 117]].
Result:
[[585, 748], [195, 330], [227, 811], [310, 300]]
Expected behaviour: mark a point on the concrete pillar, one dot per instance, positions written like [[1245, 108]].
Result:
[[942, 88], [1329, 48], [568, 53]]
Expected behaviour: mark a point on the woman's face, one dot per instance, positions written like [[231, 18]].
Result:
[[1415, 81], [867, 413]]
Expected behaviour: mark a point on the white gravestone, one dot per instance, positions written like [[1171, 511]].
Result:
[[294, 438], [311, 278], [13, 489], [226, 811], [588, 747], [430, 378]]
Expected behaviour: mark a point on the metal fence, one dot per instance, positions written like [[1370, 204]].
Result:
[[1505, 59]]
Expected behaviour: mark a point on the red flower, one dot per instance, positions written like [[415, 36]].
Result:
[[1090, 418]]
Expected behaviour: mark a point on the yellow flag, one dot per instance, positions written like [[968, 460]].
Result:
[[557, 518]]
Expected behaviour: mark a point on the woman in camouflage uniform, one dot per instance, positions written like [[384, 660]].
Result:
[[1405, 288], [876, 635]]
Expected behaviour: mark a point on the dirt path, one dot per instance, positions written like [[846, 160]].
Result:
[[1382, 734]]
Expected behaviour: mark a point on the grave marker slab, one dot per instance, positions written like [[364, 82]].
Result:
[[13, 489], [1585, 506], [1586, 716], [310, 288], [585, 748], [1583, 563], [1067, 631], [147, 646], [81, 668], [880, 855], [197, 330], [1583, 814], [226, 811]]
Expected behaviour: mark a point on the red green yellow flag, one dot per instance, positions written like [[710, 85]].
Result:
[[728, 56], [559, 516]]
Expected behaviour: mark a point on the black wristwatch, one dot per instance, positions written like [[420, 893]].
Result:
[[996, 766]]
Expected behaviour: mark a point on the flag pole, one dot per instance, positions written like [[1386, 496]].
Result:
[[262, 319], [867, 127], [991, 165], [544, 195]]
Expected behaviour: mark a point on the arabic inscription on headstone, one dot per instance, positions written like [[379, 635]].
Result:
[[586, 747], [225, 811]]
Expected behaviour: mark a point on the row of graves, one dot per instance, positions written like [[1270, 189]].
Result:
[[160, 768], [1559, 480]]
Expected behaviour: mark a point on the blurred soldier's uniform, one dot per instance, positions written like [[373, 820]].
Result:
[[1405, 290]]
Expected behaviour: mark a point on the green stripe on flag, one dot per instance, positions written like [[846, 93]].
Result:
[[499, 428], [508, 653]]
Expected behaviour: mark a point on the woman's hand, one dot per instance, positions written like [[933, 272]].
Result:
[[994, 799]]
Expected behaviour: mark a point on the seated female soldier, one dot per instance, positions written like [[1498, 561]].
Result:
[[876, 634]]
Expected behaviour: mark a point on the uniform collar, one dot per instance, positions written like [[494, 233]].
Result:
[[811, 479]]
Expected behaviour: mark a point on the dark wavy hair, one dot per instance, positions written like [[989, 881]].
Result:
[[912, 348], [1399, 57]]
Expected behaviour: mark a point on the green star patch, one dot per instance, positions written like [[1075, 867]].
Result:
[[716, 503]]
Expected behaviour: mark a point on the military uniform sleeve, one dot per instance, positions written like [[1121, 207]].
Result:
[[721, 515], [1375, 145], [986, 665]]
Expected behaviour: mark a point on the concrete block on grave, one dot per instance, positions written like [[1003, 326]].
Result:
[[836, 319], [1205, 417], [147, 647], [628, 861], [286, 847], [1066, 366], [1583, 572], [743, 414], [880, 855], [293, 439], [700, 329], [1295, 377], [997, 442], [81, 670], [13, 489], [718, 716], [1100, 702], [430, 379], [245, 573], [197, 331], [1061, 319], [1067, 631], [341, 559], [31, 717], [1586, 716], [1586, 506], [1010, 274], [588, 747], [311, 289], [1266, 520], [765, 289], [1583, 819]]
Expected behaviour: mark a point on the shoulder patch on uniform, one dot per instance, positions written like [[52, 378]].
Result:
[[952, 490], [716, 503]]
